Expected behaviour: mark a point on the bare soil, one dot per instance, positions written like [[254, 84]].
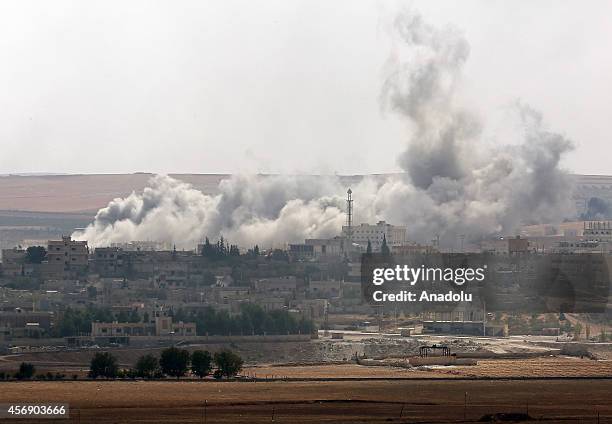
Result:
[[314, 402]]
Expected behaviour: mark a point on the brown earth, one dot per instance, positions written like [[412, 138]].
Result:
[[314, 402], [79, 193], [487, 368]]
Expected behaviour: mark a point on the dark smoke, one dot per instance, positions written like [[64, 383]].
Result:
[[454, 182]]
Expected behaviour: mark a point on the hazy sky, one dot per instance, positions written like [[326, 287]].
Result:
[[274, 86]]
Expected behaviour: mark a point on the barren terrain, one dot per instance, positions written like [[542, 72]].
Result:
[[314, 402]]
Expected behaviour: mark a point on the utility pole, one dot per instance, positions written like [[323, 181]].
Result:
[[349, 221], [484, 318]]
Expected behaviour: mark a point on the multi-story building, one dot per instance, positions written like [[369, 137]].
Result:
[[598, 231], [13, 262], [109, 262], [65, 258], [395, 235]]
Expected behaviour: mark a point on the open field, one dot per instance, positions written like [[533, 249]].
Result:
[[313, 402], [78, 193], [487, 368]]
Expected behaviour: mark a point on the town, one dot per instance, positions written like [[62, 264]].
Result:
[[65, 295]]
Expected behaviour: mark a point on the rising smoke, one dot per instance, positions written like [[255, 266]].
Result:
[[454, 182]]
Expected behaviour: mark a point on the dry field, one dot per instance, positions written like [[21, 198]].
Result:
[[314, 402], [487, 368], [78, 193]]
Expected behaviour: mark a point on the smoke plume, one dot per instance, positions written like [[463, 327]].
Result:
[[454, 181], [268, 211]]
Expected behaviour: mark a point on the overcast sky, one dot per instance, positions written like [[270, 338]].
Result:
[[273, 86]]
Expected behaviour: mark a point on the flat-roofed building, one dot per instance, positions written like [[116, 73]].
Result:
[[65, 258], [13, 262], [395, 235]]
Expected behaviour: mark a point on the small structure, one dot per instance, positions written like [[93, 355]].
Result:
[[438, 355], [433, 350]]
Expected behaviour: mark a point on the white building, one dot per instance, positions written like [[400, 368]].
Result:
[[598, 231], [361, 234]]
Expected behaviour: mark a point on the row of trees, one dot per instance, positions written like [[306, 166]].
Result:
[[222, 250], [253, 319], [219, 250], [173, 362], [77, 321]]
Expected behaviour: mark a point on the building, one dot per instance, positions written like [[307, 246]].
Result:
[[160, 325], [109, 262], [598, 231], [66, 258], [13, 262], [324, 289], [276, 284], [518, 246], [301, 251], [394, 235], [21, 323], [332, 247]]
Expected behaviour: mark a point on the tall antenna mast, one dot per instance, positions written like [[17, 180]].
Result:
[[349, 215]]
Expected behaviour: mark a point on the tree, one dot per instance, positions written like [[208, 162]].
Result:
[[147, 366], [207, 249], [201, 363], [228, 363], [369, 248], [103, 364], [384, 249], [279, 255], [577, 331], [256, 250], [208, 278], [587, 331], [26, 371], [35, 254], [134, 316], [174, 362], [123, 316]]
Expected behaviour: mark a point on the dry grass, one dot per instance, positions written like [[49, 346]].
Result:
[[535, 367], [310, 402]]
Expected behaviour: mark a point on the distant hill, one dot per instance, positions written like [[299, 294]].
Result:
[[81, 193], [88, 193]]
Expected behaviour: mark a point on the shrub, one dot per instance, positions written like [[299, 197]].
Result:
[[26, 371], [103, 364]]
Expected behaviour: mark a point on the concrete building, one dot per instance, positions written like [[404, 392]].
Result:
[[276, 284], [518, 245], [395, 235], [324, 289], [160, 325], [13, 262], [598, 231], [20, 323], [332, 247], [65, 258], [109, 262]]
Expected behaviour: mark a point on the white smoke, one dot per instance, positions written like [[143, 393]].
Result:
[[454, 183], [249, 210]]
